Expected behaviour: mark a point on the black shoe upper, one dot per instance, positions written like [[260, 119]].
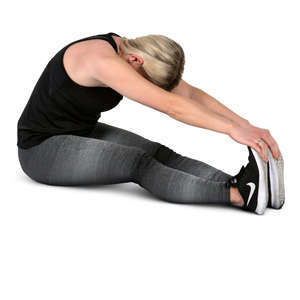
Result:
[[247, 182]]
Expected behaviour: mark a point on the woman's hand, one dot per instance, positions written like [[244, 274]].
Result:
[[257, 138]]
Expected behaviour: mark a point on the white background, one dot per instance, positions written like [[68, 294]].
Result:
[[119, 241]]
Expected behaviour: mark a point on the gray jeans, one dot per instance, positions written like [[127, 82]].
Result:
[[110, 155]]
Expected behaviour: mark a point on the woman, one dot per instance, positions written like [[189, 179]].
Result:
[[60, 141]]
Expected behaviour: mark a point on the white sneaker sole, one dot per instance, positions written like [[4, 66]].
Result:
[[276, 181], [263, 192]]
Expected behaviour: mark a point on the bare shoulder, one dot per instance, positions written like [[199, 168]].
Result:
[[99, 47], [116, 73], [87, 47], [80, 55]]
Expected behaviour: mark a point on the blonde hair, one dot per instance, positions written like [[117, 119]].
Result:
[[164, 58]]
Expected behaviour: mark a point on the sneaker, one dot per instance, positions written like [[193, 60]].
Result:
[[276, 181], [252, 183]]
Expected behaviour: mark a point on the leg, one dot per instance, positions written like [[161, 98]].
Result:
[[165, 155], [160, 152], [75, 160], [122, 136], [177, 186]]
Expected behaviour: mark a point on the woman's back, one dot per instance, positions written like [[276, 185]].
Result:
[[59, 105]]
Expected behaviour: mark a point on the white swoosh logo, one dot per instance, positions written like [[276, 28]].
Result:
[[252, 186]]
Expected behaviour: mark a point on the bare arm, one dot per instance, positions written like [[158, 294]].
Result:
[[241, 127], [113, 71], [117, 74], [216, 106]]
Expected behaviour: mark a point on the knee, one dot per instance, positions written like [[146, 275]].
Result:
[[141, 166], [164, 154]]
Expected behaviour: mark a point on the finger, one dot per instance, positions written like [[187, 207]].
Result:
[[258, 149], [264, 148], [270, 141], [277, 151]]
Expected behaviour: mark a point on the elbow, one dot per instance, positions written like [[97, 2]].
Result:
[[171, 111], [174, 108]]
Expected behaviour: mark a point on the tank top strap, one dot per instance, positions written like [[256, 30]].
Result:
[[112, 41]]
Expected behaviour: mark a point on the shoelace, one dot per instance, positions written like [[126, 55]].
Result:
[[233, 181]]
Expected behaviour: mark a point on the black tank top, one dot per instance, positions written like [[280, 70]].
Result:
[[58, 105]]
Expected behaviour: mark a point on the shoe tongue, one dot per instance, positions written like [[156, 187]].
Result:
[[240, 174]]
